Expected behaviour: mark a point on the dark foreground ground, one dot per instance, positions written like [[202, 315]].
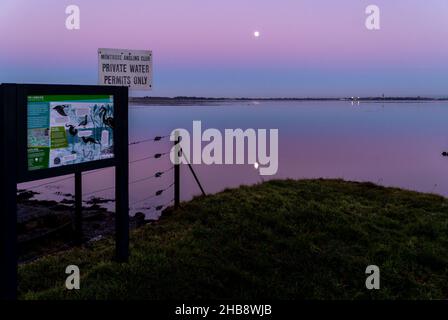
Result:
[[46, 227], [308, 239]]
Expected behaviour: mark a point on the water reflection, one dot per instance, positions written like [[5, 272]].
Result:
[[393, 144]]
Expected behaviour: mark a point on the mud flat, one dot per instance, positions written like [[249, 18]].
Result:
[[47, 226]]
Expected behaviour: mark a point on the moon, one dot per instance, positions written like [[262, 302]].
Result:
[[256, 34]]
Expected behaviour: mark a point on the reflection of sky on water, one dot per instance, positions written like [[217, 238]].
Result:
[[393, 144]]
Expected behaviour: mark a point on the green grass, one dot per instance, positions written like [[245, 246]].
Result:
[[307, 239]]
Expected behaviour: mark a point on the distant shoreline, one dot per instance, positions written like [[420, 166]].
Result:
[[209, 100]]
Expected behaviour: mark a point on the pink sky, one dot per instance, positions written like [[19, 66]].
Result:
[[203, 47]]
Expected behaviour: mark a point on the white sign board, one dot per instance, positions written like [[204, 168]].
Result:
[[129, 68]]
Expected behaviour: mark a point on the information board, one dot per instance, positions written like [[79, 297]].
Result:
[[50, 130], [69, 129]]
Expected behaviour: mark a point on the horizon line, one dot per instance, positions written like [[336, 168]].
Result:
[[376, 98]]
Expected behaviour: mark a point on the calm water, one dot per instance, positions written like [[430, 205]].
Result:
[[392, 144]]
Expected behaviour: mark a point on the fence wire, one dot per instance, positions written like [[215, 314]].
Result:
[[156, 175]]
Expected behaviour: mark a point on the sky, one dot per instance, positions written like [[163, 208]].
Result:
[[306, 48]]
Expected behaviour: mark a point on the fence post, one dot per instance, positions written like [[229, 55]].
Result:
[[177, 155], [78, 208], [122, 180], [8, 194]]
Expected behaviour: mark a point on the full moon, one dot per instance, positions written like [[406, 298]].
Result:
[[256, 34]]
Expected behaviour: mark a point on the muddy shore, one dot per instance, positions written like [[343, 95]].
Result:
[[44, 227]]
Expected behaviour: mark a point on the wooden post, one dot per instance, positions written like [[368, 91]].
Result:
[[177, 155], [8, 194], [78, 208], [122, 180]]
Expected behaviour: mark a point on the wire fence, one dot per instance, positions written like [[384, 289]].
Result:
[[155, 206]]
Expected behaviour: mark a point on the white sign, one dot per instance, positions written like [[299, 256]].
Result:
[[129, 68]]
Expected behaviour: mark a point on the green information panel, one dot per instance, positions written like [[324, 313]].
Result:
[[69, 129]]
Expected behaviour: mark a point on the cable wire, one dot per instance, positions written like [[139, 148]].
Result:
[[156, 175], [156, 138], [157, 193]]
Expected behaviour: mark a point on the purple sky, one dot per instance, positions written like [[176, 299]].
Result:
[[207, 48]]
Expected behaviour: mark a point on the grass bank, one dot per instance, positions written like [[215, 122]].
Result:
[[307, 239]]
